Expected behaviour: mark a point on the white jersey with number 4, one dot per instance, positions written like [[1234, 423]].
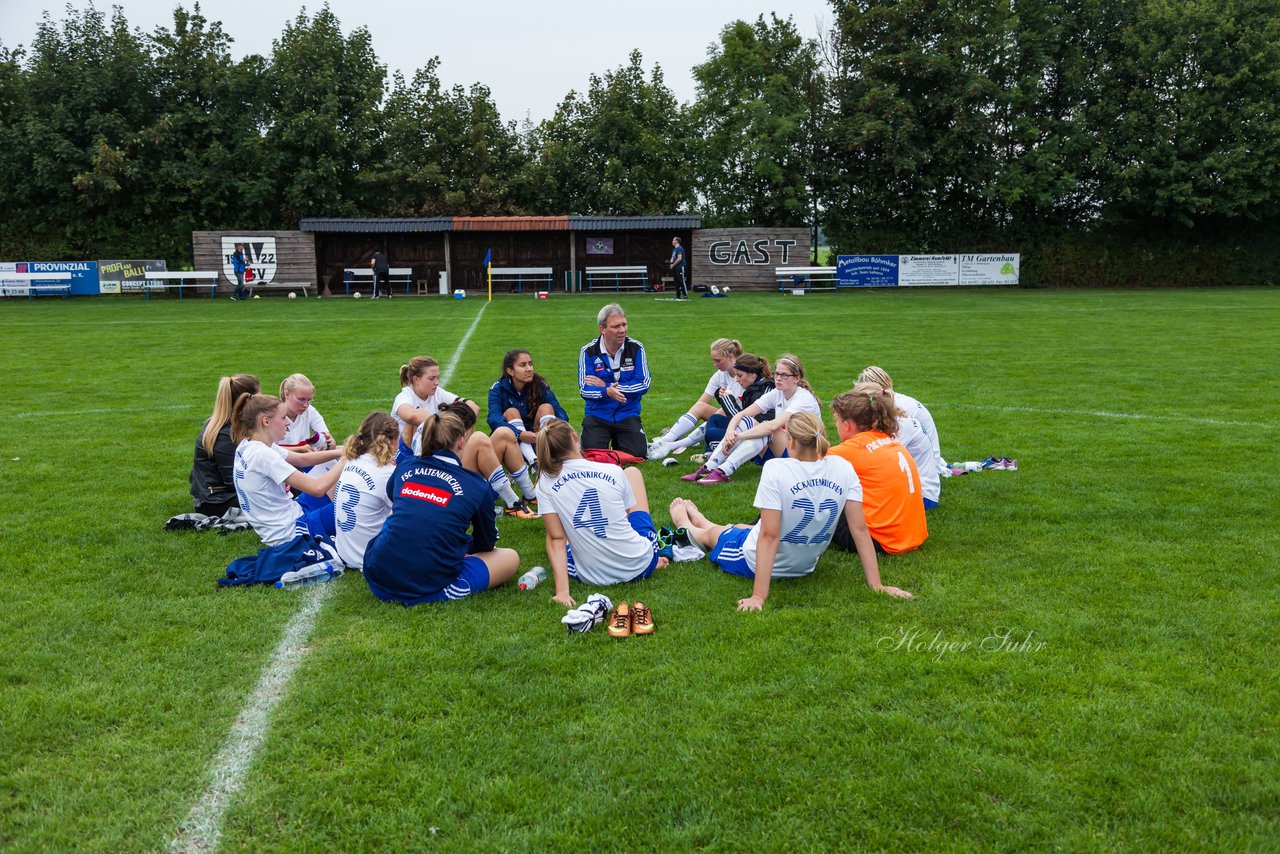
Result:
[[591, 500], [360, 506], [811, 496]]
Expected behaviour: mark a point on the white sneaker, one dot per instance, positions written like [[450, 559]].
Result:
[[658, 449], [589, 614]]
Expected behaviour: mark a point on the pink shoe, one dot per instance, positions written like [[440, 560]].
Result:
[[697, 475], [714, 476]]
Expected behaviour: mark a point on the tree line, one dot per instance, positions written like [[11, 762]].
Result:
[[1131, 141]]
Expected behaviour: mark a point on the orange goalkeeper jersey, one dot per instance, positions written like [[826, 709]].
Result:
[[891, 498]]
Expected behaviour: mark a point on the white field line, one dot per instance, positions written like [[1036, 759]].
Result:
[[202, 829], [1136, 416]]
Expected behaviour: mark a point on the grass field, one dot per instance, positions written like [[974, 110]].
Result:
[[1130, 567]]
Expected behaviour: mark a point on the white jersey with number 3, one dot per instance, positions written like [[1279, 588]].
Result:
[[591, 501], [360, 506], [811, 496]]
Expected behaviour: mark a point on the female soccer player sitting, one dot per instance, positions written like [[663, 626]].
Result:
[[520, 403], [800, 498], [599, 530], [439, 541], [421, 397], [685, 432], [867, 423], [360, 500], [746, 437], [264, 472]]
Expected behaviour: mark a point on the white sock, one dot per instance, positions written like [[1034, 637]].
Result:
[[683, 425], [502, 485], [542, 422], [744, 450], [523, 481], [692, 439], [516, 424], [530, 455]]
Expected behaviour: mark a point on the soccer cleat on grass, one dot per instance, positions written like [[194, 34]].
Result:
[[641, 619], [698, 458], [620, 621], [521, 510], [714, 476], [657, 449], [588, 615], [700, 473]]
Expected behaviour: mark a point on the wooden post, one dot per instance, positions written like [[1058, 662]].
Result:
[[448, 261], [573, 261]]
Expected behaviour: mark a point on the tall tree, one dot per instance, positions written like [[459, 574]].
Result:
[[447, 152], [622, 149], [323, 120], [758, 94]]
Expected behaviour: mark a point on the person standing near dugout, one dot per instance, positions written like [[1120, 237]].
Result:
[[613, 376], [238, 266], [381, 270], [678, 268]]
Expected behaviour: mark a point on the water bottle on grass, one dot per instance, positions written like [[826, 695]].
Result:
[[532, 578], [314, 574]]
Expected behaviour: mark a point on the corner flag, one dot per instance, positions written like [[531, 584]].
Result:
[[488, 260]]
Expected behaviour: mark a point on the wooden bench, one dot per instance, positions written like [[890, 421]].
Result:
[[365, 274], [279, 286], [538, 276], [42, 284], [180, 280], [809, 278], [632, 276]]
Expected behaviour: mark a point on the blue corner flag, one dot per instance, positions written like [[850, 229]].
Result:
[[488, 257]]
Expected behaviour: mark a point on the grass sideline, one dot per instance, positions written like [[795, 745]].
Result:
[[1133, 551]]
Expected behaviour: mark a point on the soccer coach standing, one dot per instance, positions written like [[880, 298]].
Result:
[[613, 375]]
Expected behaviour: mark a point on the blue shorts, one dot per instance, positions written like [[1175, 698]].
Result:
[[728, 554], [642, 524], [318, 522], [929, 505], [473, 579]]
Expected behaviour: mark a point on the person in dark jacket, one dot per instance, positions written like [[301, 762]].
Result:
[[520, 404], [212, 486], [381, 270], [613, 376], [238, 266]]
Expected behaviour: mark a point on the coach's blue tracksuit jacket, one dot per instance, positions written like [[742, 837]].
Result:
[[632, 378]]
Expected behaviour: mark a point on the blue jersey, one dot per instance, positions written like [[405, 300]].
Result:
[[503, 396], [419, 552], [677, 259]]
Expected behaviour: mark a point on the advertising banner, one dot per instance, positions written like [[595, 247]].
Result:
[[83, 276], [10, 287], [115, 277], [928, 270], [867, 271], [990, 269], [599, 245]]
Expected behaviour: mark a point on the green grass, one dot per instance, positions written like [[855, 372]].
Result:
[[1136, 547]]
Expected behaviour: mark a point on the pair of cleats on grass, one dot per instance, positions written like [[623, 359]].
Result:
[[624, 620]]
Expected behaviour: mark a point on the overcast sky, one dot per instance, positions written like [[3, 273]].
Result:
[[530, 54]]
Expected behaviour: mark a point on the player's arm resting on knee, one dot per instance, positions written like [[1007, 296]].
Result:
[[556, 542], [867, 550], [315, 486], [766, 551], [731, 435], [765, 428]]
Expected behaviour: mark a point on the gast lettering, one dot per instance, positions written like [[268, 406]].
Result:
[[719, 251]]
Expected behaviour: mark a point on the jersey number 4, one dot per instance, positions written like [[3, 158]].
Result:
[[590, 515], [800, 533]]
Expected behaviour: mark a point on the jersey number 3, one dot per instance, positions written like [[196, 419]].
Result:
[[590, 515], [799, 535]]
